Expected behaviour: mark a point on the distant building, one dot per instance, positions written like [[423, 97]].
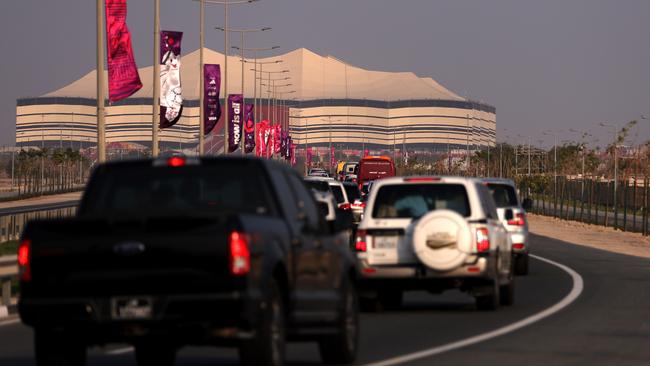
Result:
[[352, 107]]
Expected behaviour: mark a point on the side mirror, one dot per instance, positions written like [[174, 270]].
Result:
[[509, 215], [527, 204]]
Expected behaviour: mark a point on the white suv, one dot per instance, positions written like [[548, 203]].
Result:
[[512, 213], [433, 233]]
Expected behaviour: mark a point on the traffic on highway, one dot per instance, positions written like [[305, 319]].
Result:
[[301, 183], [169, 253]]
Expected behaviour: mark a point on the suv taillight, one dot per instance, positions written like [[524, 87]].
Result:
[[24, 260], [345, 206], [361, 244], [240, 256], [519, 220], [482, 240]]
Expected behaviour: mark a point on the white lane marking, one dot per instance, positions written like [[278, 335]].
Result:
[[120, 351], [578, 285]]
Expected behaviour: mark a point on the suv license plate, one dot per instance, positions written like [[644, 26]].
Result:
[[130, 308], [385, 242]]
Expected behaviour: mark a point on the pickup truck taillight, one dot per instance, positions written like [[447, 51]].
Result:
[[361, 244], [519, 220], [24, 260], [240, 256], [482, 240]]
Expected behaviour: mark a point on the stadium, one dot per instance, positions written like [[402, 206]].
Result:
[[332, 104]]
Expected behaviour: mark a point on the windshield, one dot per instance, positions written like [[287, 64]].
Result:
[[504, 195], [163, 191], [352, 191], [318, 185], [416, 200]]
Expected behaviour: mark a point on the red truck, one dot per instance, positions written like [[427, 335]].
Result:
[[374, 167]]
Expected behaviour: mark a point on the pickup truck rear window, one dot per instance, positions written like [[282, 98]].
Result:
[[416, 200], [352, 191], [337, 191], [163, 191], [504, 195]]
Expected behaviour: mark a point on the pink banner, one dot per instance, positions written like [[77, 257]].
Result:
[[123, 78], [263, 139], [332, 158]]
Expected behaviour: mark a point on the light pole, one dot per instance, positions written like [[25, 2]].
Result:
[[254, 69], [155, 115], [241, 49], [329, 119], [101, 121], [615, 147], [582, 150], [550, 133], [225, 4], [268, 85]]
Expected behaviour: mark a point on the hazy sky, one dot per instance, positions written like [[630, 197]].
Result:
[[545, 65]]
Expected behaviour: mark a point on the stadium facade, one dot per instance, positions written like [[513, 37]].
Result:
[[333, 102]]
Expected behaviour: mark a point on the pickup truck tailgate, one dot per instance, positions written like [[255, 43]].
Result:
[[85, 257]]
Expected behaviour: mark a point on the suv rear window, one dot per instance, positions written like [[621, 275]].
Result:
[[164, 191], [504, 195], [416, 200], [352, 191], [318, 185]]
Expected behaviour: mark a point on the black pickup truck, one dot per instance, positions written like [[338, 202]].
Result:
[[185, 251]]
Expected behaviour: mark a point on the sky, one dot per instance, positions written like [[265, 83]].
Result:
[[547, 66]]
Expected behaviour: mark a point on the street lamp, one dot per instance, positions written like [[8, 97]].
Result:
[[225, 4], [261, 78], [329, 119]]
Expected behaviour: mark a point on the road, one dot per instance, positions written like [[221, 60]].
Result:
[[606, 325]]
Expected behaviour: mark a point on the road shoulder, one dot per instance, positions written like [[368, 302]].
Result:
[[592, 236]]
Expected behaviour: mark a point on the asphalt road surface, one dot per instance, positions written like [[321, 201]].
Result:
[[607, 324]]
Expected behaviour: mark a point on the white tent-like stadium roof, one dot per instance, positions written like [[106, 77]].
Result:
[[312, 77]]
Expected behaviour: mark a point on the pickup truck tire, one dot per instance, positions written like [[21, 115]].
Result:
[[489, 301], [267, 348], [150, 353], [391, 299], [521, 265], [52, 348], [342, 347], [507, 291]]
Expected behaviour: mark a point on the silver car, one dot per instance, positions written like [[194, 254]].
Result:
[[512, 213]]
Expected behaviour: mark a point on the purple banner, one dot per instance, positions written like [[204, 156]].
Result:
[[236, 115], [171, 98], [284, 137], [123, 77], [249, 129], [211, 88]]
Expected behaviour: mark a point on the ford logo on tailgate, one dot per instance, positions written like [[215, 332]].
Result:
[[129, 248]]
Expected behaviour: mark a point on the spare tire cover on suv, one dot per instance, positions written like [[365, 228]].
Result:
[[442, 240]]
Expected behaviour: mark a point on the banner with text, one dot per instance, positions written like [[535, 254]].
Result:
[[211, 104], [235, 113], [123, 77], [249, 129], [171, 98]]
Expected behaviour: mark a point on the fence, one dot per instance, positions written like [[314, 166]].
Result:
[[623, 206], [12, 223]]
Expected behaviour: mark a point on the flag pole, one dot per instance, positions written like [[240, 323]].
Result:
[[201, 87], [155, 120], [101, 131]]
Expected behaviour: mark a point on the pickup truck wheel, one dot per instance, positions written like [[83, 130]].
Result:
[[489, 301], [268, 345], [521, 265], [507, 291], [391, 299], [53, 348], [155, 354], [342, 347]]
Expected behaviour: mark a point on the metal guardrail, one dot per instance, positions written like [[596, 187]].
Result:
[[12, 221], [8, 270]]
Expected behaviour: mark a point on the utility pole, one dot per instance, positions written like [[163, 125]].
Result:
[[101, 123]]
